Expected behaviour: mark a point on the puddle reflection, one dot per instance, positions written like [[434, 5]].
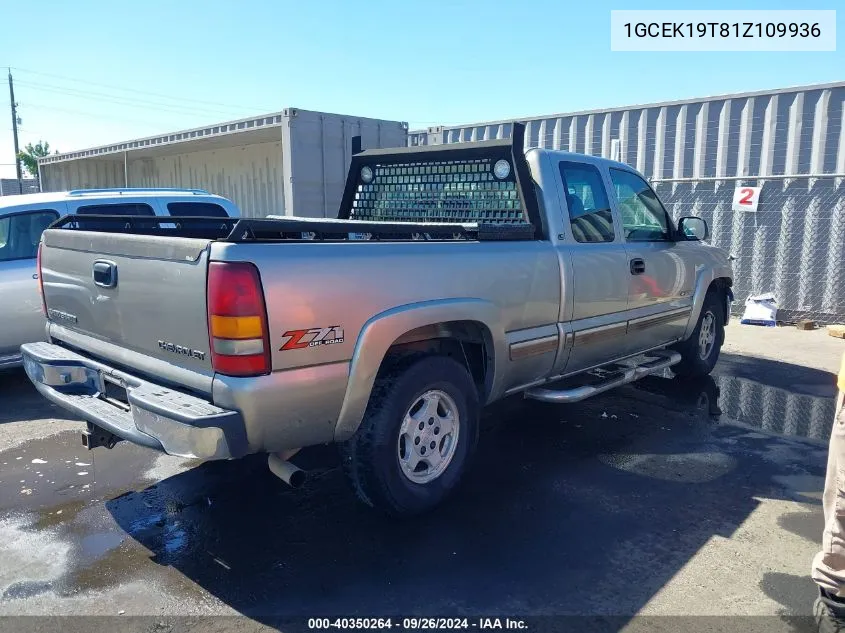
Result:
[[776, 410], [788, 408]]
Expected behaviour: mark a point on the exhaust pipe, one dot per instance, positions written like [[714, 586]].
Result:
[[284, 470]]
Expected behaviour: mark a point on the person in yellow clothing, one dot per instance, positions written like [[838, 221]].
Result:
[[829, 564]]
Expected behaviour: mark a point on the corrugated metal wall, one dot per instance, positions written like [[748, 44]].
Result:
[[794, 246], [759, 134], [697, 151], [320, 152], [249, 175], [302, 173], [82, 174]]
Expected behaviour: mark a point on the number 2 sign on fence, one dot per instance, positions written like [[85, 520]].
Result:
[[746, 199]]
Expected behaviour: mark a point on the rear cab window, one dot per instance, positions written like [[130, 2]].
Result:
[[115, 208], [20, 233], [589, 210], [196, 209]]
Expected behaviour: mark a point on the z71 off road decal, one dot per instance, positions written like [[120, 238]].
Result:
[[314, 337]]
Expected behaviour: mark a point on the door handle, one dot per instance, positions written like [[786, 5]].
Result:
[[637, 266], [105, 273]]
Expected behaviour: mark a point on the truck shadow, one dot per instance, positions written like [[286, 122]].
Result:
[[19, 400], [586, 509]]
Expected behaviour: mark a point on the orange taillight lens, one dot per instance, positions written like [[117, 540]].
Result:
[[236, 327]]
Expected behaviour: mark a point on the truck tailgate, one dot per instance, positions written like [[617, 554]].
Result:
[[142, 293]]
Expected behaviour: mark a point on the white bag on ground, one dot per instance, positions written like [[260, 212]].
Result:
[[760, 310]]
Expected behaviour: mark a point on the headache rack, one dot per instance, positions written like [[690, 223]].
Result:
[[483, 182]]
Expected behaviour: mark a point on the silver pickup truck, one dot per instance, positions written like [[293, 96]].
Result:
[[454, 275]]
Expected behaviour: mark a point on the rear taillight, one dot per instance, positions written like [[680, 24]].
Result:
[[237, 320], [40, 282]]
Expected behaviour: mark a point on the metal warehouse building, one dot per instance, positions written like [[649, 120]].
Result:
[[697, 151], [272, 164]]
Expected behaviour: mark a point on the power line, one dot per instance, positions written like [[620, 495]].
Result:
[[141, 92], [88, 114], [22, 129], [132, 102], [230, 107]]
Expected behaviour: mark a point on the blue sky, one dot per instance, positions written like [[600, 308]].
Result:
[[92, 72]]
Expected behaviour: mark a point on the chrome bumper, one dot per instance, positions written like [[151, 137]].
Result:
[[157, 417]]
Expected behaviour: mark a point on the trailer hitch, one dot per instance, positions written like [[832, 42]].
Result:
[[95, 436]]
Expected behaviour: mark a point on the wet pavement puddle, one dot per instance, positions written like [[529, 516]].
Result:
[[549, 483]]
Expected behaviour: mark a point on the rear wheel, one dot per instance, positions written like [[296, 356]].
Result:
[[700, 351], [416, 438]]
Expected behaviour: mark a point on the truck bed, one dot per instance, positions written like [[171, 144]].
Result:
[[291, 228]]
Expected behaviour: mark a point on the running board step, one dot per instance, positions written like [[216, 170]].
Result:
[[657, 361]]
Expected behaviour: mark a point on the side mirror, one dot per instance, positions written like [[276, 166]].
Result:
[[693, 229]]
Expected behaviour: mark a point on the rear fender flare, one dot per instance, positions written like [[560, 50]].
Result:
[[381, 331]]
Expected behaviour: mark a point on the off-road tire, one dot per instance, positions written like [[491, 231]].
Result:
[[370, 457], [693, 364]]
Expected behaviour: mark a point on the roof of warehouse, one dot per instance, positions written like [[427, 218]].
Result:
[[259, 129], [252, 124], [264, 128], [661, 104]]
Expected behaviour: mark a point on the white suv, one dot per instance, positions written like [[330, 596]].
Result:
[[22, 220]]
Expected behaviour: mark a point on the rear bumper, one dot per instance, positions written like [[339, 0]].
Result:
[[158, 417]]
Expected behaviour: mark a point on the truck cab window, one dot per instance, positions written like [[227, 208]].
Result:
[[589, 211], [643, 217]]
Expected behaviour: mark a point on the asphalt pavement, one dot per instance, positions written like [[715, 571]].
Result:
[[664, 498]]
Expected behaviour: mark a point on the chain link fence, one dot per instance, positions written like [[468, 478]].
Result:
[[792, 246]]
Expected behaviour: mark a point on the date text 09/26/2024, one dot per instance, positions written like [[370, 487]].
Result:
[[413, 624]]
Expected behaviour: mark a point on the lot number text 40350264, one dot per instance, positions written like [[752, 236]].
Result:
[[418, 623]]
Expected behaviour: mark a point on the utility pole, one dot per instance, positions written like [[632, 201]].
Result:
[[15, 130]]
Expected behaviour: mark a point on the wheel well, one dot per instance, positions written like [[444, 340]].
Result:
[[721, 286], [468, 342]]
